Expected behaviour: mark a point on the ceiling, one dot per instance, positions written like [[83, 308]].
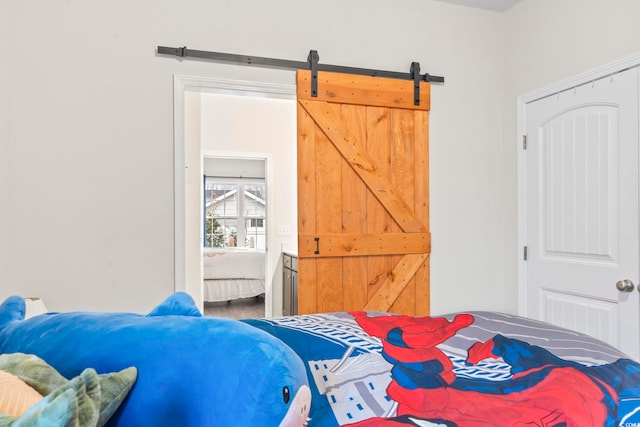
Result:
[[497, 5]]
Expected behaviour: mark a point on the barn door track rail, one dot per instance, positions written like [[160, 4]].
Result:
[[311, 64]]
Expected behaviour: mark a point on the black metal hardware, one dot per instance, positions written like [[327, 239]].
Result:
[[317, 239], [183, 52], [313, 66], [415, 72]]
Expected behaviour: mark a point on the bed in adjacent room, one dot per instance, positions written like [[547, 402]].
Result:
[[232, 273]]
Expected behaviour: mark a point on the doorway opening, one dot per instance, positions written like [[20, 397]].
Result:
[[212, 119]]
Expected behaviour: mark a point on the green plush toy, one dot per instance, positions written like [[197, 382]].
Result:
[[88, 400]]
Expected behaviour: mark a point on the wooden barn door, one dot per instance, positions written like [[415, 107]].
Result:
[[363, 195]]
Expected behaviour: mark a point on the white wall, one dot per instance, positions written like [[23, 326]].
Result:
[[192, 199], [90, 94], [549, 40], [5, 135]]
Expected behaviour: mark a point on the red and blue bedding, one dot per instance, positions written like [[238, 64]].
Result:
[[464, 369]]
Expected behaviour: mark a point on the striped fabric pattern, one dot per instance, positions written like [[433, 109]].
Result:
[[15, 395]]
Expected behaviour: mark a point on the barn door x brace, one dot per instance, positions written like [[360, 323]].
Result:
[[311, 64]]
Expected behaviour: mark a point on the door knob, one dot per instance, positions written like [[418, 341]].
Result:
[[625, 285]]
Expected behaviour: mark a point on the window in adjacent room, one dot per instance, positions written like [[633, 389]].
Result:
[[235, 213]]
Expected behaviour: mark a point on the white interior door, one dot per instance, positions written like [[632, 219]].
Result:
[[581, 200]]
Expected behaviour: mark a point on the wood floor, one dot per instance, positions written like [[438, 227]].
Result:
[[246, 308]]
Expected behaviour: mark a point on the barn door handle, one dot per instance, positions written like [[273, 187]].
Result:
[[625, 285], [317, 239]]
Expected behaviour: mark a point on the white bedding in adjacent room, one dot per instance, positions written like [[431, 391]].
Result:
[[232, 273]]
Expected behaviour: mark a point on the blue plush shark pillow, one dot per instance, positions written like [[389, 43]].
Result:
[[192, 370]]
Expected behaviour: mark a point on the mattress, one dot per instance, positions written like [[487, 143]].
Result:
[[230, 289], [232, 274]]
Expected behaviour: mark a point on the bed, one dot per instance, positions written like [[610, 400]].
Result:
[[461, 369], [340, 369], [230, 274]]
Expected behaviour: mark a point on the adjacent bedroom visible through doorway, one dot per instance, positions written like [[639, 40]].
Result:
[[235, 122], [234, 237]]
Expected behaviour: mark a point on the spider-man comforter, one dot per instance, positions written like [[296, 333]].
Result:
[[466, 369]]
